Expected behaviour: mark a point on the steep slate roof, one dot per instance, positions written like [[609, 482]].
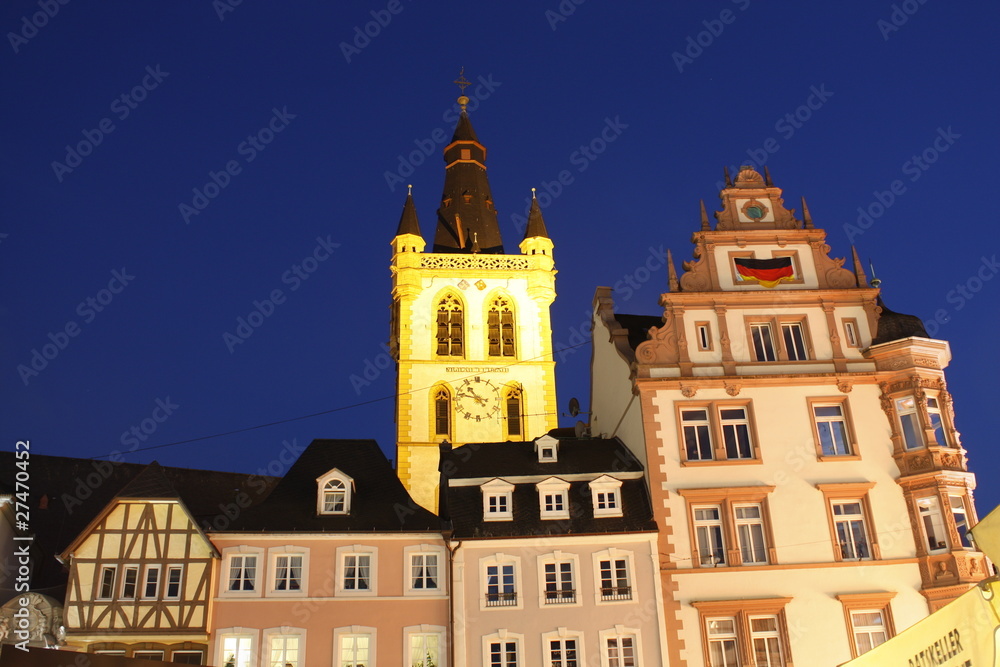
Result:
[[896, 326], [77, 490], [408, 223], [506, 460], [637, 326], [536, 223], [379, 502]]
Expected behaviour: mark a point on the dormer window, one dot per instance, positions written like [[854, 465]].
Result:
[[547, 449], [606, 495], [553, 498], [334, 493], [498, 500]]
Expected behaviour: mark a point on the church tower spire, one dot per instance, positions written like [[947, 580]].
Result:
[[466, 214]]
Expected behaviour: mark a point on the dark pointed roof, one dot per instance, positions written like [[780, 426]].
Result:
[[897, 326], [150, 483], [536, 223], [467, 215], [408, 223]]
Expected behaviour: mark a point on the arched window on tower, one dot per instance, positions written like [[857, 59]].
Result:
[[449, 327], [500, 324], [442, 413], [513, 414]]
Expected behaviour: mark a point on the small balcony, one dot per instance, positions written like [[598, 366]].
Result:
[[501, 599], [616, 593], [560, 597]]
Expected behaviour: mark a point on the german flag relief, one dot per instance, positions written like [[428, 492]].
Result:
[[767, 272]]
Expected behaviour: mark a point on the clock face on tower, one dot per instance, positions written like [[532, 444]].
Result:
[[477, 399]]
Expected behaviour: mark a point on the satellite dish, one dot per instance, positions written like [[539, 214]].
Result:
[[574, 407], [580, 430]]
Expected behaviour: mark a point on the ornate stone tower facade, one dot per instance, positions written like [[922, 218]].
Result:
[[471, 333]]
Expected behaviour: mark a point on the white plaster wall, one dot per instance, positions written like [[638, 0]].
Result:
[[611, 396]]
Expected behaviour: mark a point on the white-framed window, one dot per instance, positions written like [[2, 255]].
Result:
[[147, 655], [763, 341], [697, 434], [358, 567], [502, 649], [765, 641], [151, 583], [284, 646], [236, 647], [961, 516], [909, 422], [557, 578], [723, 649], [750, 532], [425, 645], [831, 428], [334, 490], [869, 629], [932, 523], [620, 647], [736, 432], [288, 572], [425, 571], [852, 532], [605, 494], [709, 535], [106, 584], [175, 579], [501, 581], [130, 582], [186, 657], [497, 500], [242, 572], [354, 646], [934, 412], [613, 570], [547, 449], [562, 648], [553, 498], [794, 340]]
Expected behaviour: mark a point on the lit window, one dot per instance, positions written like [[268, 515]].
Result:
[[562, 653], [354, 650], [708, 529], [130, 582], [449, 327], [869, 629], [500, 325], [961, 520], [766, 641], [174, 574], [750, 532], [151, 588], [357, 570], [794, 340], [934, 412], [763, 343], [425, 649], [107, 589], [906, 408], [559, 585], [284, 651], [288, 573], [697, 436], [237, 650], [852, 534], [242, 573], [614, 576], [501, 588], [831, 427], [620, 650], [424, 572]]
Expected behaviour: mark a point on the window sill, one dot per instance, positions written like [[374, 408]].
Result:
[[829, 458], [722, 462]]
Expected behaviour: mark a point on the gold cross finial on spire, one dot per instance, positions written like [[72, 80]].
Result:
[[461, 81]]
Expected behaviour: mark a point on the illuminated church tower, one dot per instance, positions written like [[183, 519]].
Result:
[[470, 324]]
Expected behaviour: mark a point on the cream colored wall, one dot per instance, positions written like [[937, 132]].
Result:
[[533, 618], [322, 609], [805, 258]]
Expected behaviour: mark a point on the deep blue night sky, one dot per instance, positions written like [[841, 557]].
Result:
[[312, 132]]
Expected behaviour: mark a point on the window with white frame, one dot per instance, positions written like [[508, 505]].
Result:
[[831, 429], [497, 500], [614, 579], [559, 581], [236, 650], [794, 340], [620, 649], [763, 341], [722, 642], [869, 629], [697, 434], [909, 422], [288, 572], [934, 413], [852, 533], [424, 571], [130, 582], [547, 449], [187, 657], [284, 650], [148, 655], [932, 523], [334, 493], [106, 584], [736, 432], [961, 517], [503, 650], [605, 493], [242, 572], [726, 423], [151, 585], [765, 641], [424, 649], [356, 572], [750, 533], [175, 575], [501, 584], [562, 652], [709, 535], [355, 649], [553, 498]]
